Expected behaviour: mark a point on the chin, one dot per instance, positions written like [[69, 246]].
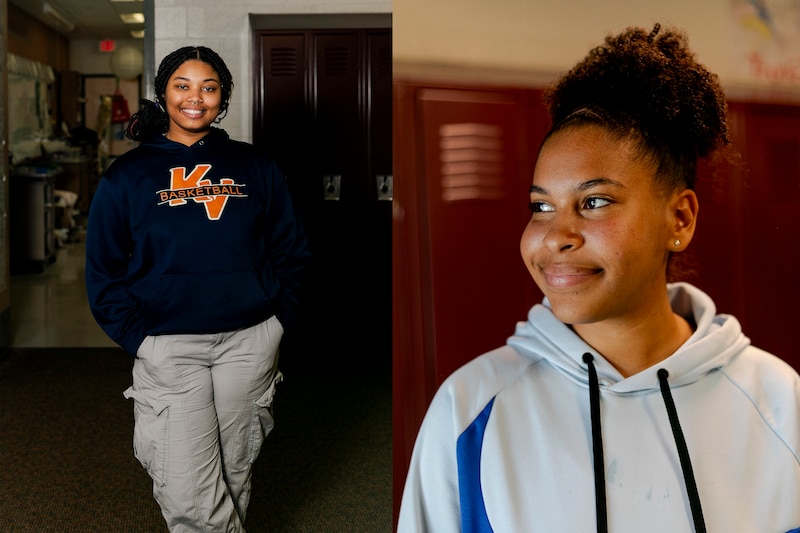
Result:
[[572, 312]]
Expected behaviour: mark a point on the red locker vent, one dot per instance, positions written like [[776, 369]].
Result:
[[471, 162]]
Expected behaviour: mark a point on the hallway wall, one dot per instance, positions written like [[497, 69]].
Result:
[[528, 42], [85, 55], [31, 39]]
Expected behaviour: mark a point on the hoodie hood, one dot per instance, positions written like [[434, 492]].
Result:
[[212, 138], [716, 340]]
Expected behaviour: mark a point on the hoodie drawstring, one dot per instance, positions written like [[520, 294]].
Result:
[[599, 461], [597, 447], [683, 453]]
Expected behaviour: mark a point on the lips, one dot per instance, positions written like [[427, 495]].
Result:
[[193, 113], [561, 276]]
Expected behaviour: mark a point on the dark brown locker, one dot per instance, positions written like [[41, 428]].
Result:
[[380, 183], [338, 227], [324, 114], [281, 119]]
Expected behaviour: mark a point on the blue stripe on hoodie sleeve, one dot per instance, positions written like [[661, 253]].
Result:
[[795, 530], [468, 453]]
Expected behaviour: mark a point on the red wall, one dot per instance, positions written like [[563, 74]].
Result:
[[749, 228], [460, 205]]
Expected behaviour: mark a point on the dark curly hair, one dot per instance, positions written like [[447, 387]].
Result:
[[152, 119], [649, 88]]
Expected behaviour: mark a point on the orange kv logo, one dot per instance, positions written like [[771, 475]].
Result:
[[196, 187]]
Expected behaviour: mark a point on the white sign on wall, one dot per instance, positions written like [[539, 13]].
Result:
[[766, 41]]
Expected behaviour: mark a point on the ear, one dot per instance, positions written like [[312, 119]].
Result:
[[683, 219]]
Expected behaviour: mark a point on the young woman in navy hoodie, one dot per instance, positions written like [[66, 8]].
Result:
[[194, 260]]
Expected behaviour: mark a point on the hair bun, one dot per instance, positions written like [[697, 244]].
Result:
[[650, 82]]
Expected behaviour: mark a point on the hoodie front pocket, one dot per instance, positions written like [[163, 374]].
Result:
[[150, 434], [222, 298]]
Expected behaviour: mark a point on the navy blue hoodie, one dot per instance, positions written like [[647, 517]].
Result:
[[192, 239]]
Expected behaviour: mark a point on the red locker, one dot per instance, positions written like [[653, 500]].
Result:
[[464, 160]]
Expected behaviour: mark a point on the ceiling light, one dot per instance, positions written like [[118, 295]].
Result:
[[136, 34], [132, 18], [51, 12]]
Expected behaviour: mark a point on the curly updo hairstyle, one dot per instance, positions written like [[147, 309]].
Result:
[[152, 119], [647, 88]]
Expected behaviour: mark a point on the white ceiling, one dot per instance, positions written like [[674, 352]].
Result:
[[93, 19]]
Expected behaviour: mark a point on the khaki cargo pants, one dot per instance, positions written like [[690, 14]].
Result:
[[202, 408]]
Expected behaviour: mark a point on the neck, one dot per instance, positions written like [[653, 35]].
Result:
[[633, 345], [185, 138]]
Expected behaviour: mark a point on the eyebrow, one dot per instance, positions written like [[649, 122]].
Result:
[[584, 186], [187, 79]]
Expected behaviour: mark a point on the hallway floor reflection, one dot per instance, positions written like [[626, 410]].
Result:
[[50, 309]]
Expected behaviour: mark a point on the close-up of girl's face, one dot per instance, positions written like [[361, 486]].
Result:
[[600, 232], [193, 97]]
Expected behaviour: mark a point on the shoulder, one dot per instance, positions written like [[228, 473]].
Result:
[[125, 160], [773, 388], [219, 139], [246, 153], [126, 164], [239, 147], [754, 367], [467, 391]]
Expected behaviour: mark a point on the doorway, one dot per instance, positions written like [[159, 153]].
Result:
[[323, 112]]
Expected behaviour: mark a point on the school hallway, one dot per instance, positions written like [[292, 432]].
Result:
[[66, 431]]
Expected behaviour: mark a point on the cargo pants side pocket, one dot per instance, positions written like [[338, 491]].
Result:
[[263, 422], [150, 434]]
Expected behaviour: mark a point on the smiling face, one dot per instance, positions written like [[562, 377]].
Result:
[[600, 232], [193, 99]]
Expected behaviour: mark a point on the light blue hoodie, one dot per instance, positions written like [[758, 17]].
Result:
[[507, 443]]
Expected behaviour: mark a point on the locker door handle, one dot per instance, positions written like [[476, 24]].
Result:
[[385, 188], [331, 186]]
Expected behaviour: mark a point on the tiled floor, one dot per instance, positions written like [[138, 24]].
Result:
[[50, 309]]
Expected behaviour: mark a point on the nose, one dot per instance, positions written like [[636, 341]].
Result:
[[195, 98], [563, 233]]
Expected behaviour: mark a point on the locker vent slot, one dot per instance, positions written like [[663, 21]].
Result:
[[385, 62], [283, 62], [337, 61], [471, 162]]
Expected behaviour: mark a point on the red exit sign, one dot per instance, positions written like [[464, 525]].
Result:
[[108, 45]]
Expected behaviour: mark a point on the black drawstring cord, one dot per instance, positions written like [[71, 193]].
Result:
[[683, 452], [597, 447]]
